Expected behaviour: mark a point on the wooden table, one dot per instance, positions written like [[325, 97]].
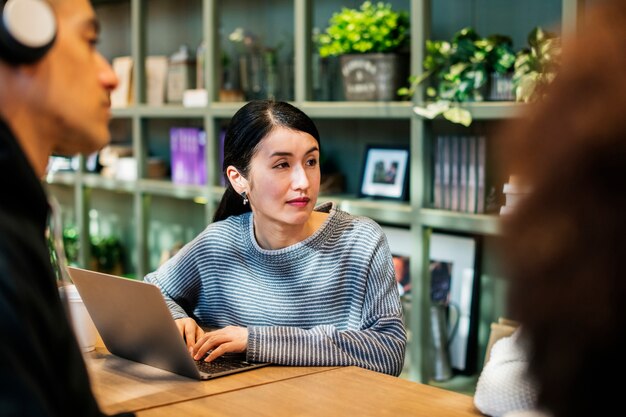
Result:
[[123, 385], [347, 391]]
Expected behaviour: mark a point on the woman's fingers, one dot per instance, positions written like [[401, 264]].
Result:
[[228, 339], [190, 331]]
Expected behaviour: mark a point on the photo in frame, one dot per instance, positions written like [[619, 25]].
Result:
[[454, 283], [403, 276], [385, 172]]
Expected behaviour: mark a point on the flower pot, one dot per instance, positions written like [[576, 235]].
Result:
[[373, 77], [501, 87]]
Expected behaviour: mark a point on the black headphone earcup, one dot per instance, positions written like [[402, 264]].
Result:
[[27, 31]]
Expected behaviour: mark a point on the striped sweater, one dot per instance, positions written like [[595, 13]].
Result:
[[330, 300]]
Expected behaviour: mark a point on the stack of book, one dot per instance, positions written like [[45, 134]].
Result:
[[514, 193], [188, 162], [459, 173]]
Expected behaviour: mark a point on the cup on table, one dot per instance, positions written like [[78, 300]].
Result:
[[83, 326]]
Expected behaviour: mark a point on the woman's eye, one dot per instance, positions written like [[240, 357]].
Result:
[[282, 165], [311, 162]]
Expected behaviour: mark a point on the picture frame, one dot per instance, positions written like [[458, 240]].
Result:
[[454, 270], [385, 172]]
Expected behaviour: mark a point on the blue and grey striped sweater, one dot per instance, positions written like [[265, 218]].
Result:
[[330, 300]]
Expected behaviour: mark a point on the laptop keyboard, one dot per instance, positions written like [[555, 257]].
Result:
[[224, 363]]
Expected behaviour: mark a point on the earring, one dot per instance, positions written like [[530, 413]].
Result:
[[245, 198]]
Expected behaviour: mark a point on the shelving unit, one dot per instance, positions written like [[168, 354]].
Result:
[[140, 28]]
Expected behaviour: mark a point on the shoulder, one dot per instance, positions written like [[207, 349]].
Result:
[[345, 219], [225, 233]]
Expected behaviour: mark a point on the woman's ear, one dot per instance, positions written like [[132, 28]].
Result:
[[239, 183]]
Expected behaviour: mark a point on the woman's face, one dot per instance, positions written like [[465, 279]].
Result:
[[284, 177]]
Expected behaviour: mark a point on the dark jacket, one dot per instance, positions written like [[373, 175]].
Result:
[[42, 372]]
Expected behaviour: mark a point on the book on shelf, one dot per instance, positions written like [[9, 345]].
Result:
[[188, 162], [438, 173], [471, 176], [222, 138], [463, 175], [459, 181], [445, 183], [481, 162], [454, 172]]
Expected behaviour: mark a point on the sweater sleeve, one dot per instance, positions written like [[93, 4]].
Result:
[[179, 279], [503, 385], [378, 344]]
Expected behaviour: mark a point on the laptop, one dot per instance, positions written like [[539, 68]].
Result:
[[135, 323]]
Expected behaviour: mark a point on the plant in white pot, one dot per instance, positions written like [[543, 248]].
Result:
[[371, 42]]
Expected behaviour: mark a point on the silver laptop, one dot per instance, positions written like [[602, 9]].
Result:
[[135, 323]]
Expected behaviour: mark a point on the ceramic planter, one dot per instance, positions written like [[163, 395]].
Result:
[[373, 77]]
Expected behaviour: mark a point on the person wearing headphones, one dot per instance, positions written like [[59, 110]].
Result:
[[54, 97]]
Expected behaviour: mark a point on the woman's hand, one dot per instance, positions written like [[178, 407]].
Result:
[[190, 331], [228, 339]]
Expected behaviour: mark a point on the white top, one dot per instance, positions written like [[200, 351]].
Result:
[[503, 386]]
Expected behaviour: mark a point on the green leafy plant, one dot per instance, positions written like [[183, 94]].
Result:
[[374, 27], [536, 65], [107, 252], [460, 69]]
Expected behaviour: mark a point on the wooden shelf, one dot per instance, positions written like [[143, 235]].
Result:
[[484, 224]]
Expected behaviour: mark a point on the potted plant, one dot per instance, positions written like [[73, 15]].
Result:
[[536, 65], [461, 69], [370, 42]]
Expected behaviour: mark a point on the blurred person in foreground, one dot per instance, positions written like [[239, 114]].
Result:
[[565, 243], [54, 97]]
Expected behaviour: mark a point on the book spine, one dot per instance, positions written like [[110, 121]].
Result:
[[201, 167], [454, 173], [445, 183], [437, 172], [472, 175], [176, 155], [463, 174], [481, 165]]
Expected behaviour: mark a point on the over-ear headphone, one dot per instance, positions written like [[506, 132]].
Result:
[[27, 31]]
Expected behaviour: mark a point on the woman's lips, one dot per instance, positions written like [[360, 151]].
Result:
[[299, 202]]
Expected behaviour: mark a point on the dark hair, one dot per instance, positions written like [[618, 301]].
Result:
[[565, 243], [248, 127]]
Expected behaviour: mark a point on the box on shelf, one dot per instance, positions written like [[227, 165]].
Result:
[[156, 77], [181, 74], [195, 98], [514, 193], [109, 157], [122, 95]]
